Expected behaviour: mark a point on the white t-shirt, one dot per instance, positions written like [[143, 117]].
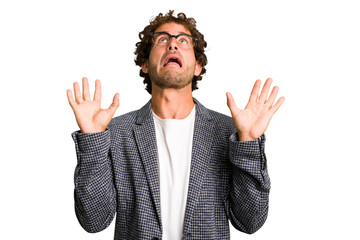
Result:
[[174, 142]]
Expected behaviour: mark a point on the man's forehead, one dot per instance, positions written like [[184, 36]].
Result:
[[172, 28]]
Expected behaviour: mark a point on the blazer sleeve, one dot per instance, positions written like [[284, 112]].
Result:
[[95, 194], [248, 198]]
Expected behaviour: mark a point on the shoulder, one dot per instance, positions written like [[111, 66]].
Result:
[[219, 118], [128, 120], [221, 121], [121, 126], [124, 121], [224, 124]]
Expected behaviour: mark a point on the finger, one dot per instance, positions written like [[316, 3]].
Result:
[[255, 92], [97, 93], [77, 92], [277, 105], [86, 91], [232, 105], [70, 98], [115, 104], [272, 96], [230, 101], [265, 90]]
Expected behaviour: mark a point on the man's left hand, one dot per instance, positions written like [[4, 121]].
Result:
[[252, 121]]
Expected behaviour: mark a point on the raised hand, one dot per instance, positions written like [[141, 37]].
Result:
[[252, 121], [89, 115]]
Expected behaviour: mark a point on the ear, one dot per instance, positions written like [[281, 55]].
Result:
[[144, 67], [198, 69]]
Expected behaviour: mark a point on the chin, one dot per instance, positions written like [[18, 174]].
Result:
[[171, 82], [171, 79]]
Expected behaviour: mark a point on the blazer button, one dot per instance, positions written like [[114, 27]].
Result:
[[187, 235]]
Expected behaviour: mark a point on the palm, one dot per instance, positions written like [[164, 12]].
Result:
[[252, 121], [89, 115]]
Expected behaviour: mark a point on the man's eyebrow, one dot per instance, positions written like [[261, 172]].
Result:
[[174, 34]]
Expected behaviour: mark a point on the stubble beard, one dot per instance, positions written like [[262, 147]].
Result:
[[171, 79]]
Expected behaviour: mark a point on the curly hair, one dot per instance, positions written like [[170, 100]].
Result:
[[143, 47]]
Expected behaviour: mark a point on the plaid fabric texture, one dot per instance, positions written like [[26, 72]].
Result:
[[117, 172]]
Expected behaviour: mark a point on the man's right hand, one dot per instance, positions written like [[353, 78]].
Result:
[[89, 115]]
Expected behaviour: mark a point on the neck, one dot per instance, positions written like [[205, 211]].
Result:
[[172, 103]]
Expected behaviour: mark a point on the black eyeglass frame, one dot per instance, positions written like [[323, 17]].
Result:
[[194, 39]]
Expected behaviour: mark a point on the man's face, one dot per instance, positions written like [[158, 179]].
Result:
[[171, 66]]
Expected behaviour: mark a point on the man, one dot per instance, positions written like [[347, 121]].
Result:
[[173, 169]]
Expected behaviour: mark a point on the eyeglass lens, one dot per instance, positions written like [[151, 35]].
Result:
[[163, 39]]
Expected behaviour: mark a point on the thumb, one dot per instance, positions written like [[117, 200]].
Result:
[[115, 104], [230, 101]]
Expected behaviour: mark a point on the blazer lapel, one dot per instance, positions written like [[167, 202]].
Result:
[[202, 141], [145, 137]]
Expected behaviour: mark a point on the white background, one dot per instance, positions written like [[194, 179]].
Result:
[[310, 48]]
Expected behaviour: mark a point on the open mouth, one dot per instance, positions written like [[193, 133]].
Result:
[[172, 60]]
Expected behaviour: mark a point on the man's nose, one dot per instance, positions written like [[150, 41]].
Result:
[[172, 44]]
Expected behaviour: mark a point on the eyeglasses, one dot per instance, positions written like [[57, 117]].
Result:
[[184, 40]]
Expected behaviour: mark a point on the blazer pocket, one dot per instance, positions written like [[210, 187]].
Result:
[[205, 218]]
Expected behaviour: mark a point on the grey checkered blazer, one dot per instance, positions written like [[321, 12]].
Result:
[[117, 172]]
